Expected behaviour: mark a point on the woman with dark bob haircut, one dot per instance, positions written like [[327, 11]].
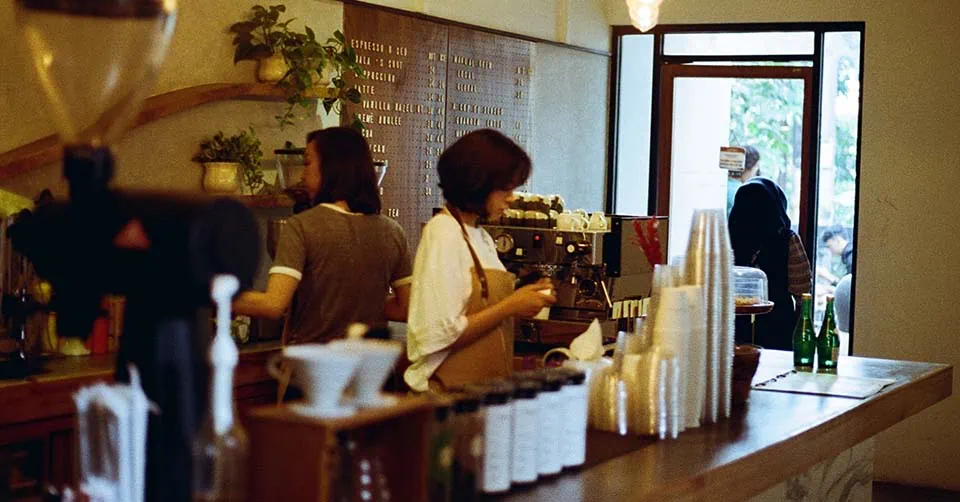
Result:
[[463, 299], [337, 260]]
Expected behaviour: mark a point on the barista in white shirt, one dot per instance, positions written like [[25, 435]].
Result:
[[463, 300]]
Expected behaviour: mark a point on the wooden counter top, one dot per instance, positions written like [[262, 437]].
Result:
[[776, 436], [48, 393]]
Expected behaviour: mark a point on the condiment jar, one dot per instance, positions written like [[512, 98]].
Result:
[[573, 426], [468, 448], [441, 454], [526, 418], [551, 414], [497, 436]]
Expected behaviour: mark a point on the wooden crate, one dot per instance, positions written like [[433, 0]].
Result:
[[296, 458]]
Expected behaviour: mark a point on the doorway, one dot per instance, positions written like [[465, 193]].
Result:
[[704, 108], [792, 90]]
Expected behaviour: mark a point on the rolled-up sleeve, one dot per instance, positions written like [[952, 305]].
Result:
[[291, 251], [441, 290]]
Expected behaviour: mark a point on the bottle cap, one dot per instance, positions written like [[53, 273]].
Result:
[[467, 403], [493, 393], [574, 377], [526, 389], [441, 411]]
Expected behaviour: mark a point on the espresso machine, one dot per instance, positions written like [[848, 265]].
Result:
[[96, 60], [592, 271]]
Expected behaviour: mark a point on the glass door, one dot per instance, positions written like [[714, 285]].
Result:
[[704, 108]]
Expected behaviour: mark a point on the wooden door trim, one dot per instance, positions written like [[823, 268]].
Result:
[[671, 72]]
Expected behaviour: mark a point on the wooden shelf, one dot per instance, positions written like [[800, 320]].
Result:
[[49, 149], [266, 201]]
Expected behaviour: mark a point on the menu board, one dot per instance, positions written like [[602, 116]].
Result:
[[426, 85], [489, 85], [402, 107]]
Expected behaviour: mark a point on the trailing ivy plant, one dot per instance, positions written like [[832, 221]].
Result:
[[262, 35], [242, 148], [307, 58]]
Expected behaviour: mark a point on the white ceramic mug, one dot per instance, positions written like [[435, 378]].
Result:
[[377, 358], [598, 221], [573, 222], [321, 372]]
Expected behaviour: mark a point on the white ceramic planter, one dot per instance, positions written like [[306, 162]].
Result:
[[221, 177], [272, 69]]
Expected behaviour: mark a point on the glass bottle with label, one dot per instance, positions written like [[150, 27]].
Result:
[[828, 342], [804, 338]]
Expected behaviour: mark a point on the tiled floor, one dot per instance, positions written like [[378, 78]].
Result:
[[887, 492]]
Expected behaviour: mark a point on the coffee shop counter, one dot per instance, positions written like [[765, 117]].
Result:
[[779, 446], [37, 414]]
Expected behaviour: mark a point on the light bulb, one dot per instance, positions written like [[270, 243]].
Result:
[[645, 17]]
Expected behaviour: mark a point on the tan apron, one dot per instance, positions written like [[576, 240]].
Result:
[[491, 355]]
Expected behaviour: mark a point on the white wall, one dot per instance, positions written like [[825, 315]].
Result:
[[569, 144], [908, 256]]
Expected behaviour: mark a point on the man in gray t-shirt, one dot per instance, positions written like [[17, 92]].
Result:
[[345, 264]]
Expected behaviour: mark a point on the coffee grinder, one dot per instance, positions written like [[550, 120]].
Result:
[[96, 61]]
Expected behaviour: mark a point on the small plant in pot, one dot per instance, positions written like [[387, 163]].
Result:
[[314, 70], [229, 159], [261, 38]]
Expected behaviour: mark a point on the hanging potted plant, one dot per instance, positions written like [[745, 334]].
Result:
[[228, 160], [313, 70], [261, 38]]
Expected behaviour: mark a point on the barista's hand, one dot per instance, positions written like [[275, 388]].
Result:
[[530, 299]]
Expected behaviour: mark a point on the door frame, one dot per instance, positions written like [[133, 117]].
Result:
[[671, 72]]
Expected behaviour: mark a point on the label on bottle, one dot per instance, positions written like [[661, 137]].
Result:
[[835, 355], [497, 439], [526, 414], [548, 450], [573, 443]]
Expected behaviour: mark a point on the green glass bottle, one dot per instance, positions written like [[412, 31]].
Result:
[[804, 338], [828, 342]]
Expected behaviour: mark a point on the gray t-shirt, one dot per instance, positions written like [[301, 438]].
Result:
[[345, 263]]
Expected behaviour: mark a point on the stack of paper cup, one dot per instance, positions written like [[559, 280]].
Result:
[[672, 331], [651, 382], [709, 263]]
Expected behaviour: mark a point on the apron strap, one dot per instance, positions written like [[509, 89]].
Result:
[[481, 274]]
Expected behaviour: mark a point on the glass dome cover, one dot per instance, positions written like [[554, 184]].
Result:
[[749, 286], [96, 60]]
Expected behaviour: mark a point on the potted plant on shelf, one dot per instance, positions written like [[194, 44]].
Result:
[[261, 38], [314, 70], [229, 159]]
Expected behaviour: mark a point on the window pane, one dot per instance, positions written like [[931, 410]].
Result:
[[738, 44], [838, 174], [635, 102]]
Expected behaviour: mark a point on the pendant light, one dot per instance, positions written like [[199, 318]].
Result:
[[644, 14]]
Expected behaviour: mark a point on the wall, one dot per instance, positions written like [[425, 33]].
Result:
[[569, 144], [158, 155], [908, 257]]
